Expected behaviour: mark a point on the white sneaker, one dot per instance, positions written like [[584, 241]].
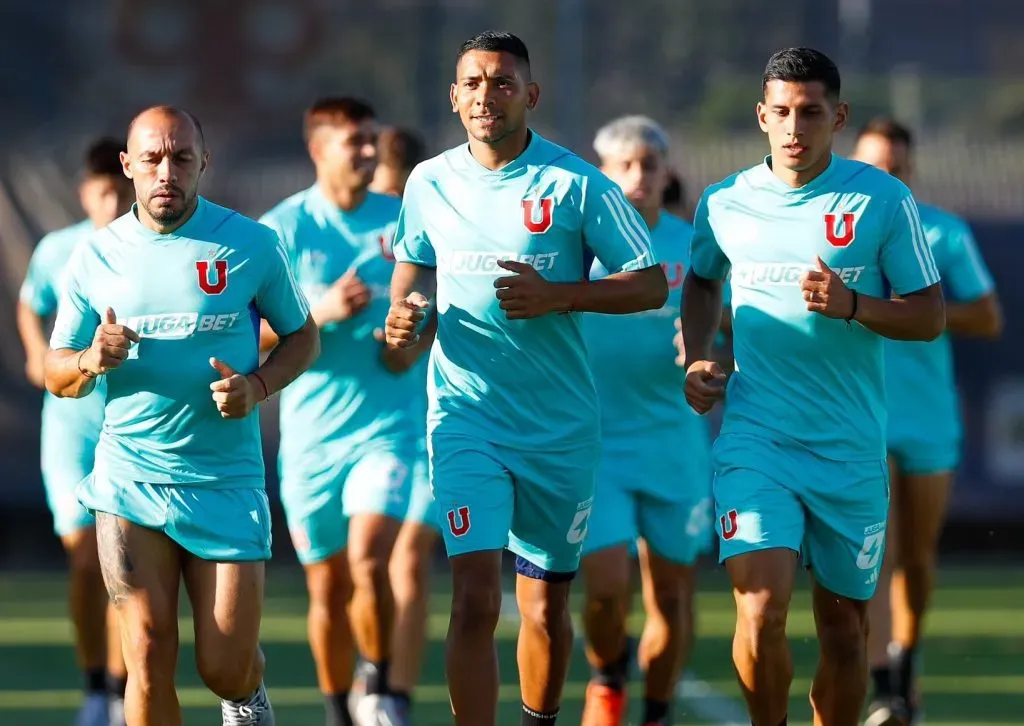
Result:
[[254, 712], [115, 711], [373, 709], [93, 711]]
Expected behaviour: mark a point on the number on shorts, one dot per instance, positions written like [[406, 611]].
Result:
[[871, 552], [578, 528]]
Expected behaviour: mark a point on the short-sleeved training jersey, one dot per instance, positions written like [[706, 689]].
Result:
[[195, 294], [524, 384], [799, 375]]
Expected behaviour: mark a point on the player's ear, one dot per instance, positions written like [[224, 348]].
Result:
[[452, 95], [842, 114], [126, 164], [762, 110], [204, 161], [532, 95]]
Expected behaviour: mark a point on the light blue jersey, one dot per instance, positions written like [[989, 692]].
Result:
[[513, 414], [654, 479], [350, 429], [924, 415], [70, 427], [524, 384], [190, 295], [800, 463], [801, 376]]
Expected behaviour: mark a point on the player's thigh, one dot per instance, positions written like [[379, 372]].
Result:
[[141, 570], [667, 584], [473, 493], [756, 508], [847, 509], [554, 497], [379, 479], [608, 573], [314, 513], [613, 517], [227, 605], [920, 501], [220, 525], [80, 547]]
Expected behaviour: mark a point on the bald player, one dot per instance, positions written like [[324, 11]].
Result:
[[164, 306]]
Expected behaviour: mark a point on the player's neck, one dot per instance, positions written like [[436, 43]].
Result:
[[651, 216], [151, 224], [802, 177], [495, 156], [345, 199]]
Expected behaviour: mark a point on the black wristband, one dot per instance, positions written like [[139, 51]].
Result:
[[87, 374], [853, 310]]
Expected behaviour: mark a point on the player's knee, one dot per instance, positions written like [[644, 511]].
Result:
[[82, 553], [544, 606], [669, 601], [843, 631], [329, 585], [370, 571], [476, 608], [226, 671], [761, 618], [409, 572], [151, 650]]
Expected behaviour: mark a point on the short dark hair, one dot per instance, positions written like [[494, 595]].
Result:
[[802, 65], [103, 158], [675, 191], [335, 110], [400, 148], [496, 41], [888, 128]]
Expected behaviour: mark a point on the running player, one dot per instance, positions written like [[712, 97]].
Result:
[[924, 435], [350, 429], [163, 304], [654, 477], [398, 152], [800, 463], [504, 228], [69, 435]]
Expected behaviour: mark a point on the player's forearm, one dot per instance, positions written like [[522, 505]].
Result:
[[33, 338], [64, 377], [268, 338], [409, 278], [982, 318], [399, 360], [920, 316], [618, 294], [292, 355], [701, 316]]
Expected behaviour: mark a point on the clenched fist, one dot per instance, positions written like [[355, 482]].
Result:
[[826, 293], [343, 300], [110, 346], [403, 319], [233, 393], [705, 384], [525, 294]]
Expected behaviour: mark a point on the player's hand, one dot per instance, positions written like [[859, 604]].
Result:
[[344, 299], [525, 294], [403, 319], [109, 347], [677, 341], [233, 393], [705, 384], [826, 293]]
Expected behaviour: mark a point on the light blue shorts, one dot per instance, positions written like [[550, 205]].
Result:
[[66, 459], [221, 525], [664, 498], [922, 455], [421, 499], [373, 478], [537, 504], [771, 495]]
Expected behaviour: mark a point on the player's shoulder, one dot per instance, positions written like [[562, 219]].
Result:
[[60, 242], [289, 211], [383, 207], [856, 176], [238, 230], [941, 220], [673, 226], [737, 185]]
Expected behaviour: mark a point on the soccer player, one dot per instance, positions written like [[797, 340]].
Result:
[[654, 476], [800, 462], [350, 426], [69, 435], [164, 305], [924, 434], [504, 229], [399, 150]]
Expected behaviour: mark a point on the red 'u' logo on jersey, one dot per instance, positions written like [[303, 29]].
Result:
[[221, 276], [728, 522], [832, 235], [547, 209], [458, 521]]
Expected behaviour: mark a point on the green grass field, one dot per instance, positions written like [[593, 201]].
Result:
[[974, 657]]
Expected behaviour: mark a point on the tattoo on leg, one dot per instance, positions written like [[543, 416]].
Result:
[[114, 561]]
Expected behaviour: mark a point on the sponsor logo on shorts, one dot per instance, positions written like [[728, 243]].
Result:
[[580, 523], [471, 262], [870, 555], [785, 274], [175, 326], [300, 540], [458, 521]]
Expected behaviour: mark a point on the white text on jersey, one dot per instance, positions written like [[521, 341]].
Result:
[[469, 262]]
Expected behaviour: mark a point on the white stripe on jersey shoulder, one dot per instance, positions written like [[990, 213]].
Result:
[[921, 249], [625, 218], [279, 246]]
